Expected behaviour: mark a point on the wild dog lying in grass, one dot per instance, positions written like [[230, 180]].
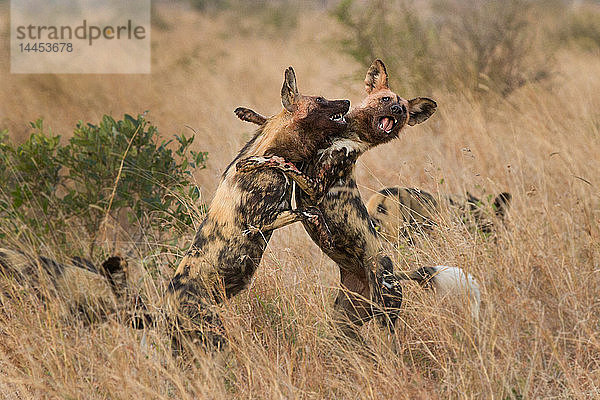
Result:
[[402, 212], [366, 275], [247, 208], [88, 291]]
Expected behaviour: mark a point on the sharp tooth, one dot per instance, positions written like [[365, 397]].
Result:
[[338, 117]]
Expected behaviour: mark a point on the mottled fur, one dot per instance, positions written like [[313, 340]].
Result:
[[247, 208], [402, 212], [91, 292], [356, 247]]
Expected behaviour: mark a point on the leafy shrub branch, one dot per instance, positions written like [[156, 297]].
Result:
[[114, 170]]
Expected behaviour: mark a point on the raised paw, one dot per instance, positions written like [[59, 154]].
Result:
[[257, 162]]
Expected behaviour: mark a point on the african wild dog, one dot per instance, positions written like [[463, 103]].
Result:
[[402, 212], [247, 208], [88, 291], [366, 275]]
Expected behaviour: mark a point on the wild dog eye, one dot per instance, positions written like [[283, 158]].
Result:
[[319, 100], [385, 99]]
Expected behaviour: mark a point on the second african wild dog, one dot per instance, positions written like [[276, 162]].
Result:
[[90, 292], [365, 274], [248, 207], [399, 213]]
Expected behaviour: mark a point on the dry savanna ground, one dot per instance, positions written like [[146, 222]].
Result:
[[538, 335]]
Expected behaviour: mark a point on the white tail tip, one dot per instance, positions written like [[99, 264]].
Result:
[[455, 282]]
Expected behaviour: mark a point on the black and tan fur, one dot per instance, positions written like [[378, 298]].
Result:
[[86, 290], [366, 275], [399, 212], [247, 208]]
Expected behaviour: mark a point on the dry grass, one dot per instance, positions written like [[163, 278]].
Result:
[[538, 335]]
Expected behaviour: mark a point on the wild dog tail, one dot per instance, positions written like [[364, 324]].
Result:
[[248, 115], [448, 282]]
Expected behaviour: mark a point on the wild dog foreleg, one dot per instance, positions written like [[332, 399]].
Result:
[[309, 214], [309, 185], [362, 298], [330, 169], [387, 292]]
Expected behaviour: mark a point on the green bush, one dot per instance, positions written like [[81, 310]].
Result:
[[105, 171]]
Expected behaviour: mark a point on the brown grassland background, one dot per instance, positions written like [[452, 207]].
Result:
[[538, 335]]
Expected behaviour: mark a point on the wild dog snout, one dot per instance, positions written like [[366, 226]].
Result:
[[398, 109]]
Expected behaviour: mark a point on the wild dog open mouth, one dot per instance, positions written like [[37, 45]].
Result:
[[339, 118], [386, 124]]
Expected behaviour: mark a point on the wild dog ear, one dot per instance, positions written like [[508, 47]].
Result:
[[248, 115], [377, 77], [114, 269], [289, 91], [419, 109], [501, 204]]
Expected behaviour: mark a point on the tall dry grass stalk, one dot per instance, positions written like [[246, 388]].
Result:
[[538, 332]]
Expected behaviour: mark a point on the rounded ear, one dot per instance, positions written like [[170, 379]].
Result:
[[377, 77], [502, 203], [419, 109], [289, 90], [248, 115]]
